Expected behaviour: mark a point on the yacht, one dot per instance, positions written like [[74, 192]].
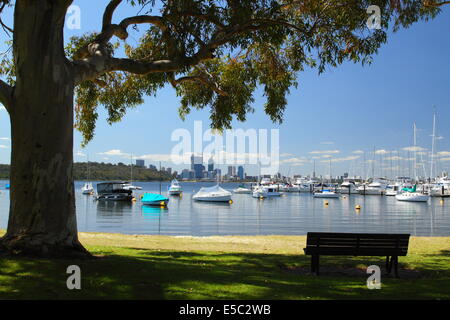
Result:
[[348, 186], [376, 187], [265, 192], [326, 194], [441, 188], [175, 188]]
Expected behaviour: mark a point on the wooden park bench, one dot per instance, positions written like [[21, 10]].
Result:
[[356, 244]]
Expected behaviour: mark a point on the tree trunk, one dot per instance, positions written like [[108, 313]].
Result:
[[42, 220]]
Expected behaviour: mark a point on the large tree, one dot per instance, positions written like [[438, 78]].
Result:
[[214, 52]]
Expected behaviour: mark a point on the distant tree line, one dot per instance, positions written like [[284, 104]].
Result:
[[106, 171]]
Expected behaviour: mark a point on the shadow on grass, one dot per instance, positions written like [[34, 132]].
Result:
[[132, 273]]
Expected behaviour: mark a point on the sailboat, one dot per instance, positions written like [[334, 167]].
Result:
[[326, 193], [129, 186], [87, 188], [411, 194]]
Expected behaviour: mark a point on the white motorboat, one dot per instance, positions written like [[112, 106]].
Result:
[[410, 194], [265, 192], [376, 187], [87, 188], [441, 188], [326, 194], [175, 188], [213, 194], [348, 187], [242, 189], [129, 186]]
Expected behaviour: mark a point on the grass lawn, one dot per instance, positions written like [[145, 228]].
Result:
[[244, 267]]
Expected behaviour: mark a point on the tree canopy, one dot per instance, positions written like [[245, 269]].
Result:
[[216, 53]]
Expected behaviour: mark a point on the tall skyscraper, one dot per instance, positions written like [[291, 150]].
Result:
[[210, 165], [240, 172]]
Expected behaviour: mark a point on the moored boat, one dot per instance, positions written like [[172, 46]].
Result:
[[154, 199], [113, 191], [175, 188], [212, 194]]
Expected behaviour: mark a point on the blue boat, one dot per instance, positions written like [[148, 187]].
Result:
[[154, 199]]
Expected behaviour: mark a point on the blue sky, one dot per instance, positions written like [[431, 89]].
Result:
[[332, 115]]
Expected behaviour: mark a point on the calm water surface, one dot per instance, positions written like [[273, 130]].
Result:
[[292, 214]]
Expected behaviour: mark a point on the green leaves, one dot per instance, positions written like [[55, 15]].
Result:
[[253, 43]]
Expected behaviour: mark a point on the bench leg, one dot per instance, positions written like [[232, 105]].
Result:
[[395, 266], [315, 264], [388, 264]]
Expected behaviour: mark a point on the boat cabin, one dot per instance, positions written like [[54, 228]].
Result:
[[115, 191]]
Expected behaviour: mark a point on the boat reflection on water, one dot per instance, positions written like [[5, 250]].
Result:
[[152, 212], [113, 208]]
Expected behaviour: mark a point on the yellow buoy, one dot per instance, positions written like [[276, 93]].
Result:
[[134, 199], [357, 207], [231, 201], [260, 198], [325, 203]]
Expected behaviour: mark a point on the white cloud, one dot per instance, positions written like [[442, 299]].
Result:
[[2, 108], [443, 154], [295, 161], [327, 142], [350, 158], [115, 152], [382, 151], [80, 154], [5, 139], [358, 152], [414, 149], [444, 159], [325, 152], [282, 155], [3, 147]]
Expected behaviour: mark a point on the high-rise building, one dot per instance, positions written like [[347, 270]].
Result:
[[210, 164], [230, 171], [198, 171], [140, 163], [240, 172], [196, 160]]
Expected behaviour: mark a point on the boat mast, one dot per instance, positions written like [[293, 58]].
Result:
[[160, 177], [415, 153], [433, 143], [131, 180]]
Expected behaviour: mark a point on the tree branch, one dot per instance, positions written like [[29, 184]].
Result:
[[6, 97], [108, 14], [202, 79]]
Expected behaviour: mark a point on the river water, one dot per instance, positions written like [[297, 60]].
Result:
[[291, 214]]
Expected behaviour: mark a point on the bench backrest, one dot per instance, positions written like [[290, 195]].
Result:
[[357, 243]]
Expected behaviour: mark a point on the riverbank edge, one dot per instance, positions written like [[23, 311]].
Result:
[[270, 244]]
